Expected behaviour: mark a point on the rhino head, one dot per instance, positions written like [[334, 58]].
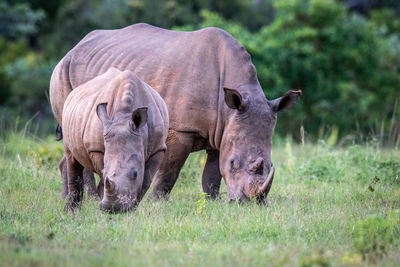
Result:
[[245, 151], [123, 158]]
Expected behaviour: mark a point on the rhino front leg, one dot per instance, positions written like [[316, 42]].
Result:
[[88, 179], [75, 183], [179, 146], [151, 167], [211, 179]]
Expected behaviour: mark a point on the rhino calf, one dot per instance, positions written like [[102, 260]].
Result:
[[116, 126]]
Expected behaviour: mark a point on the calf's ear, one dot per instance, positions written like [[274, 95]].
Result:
[[234, 100], [286, 101], [101, 111], [139, 118]]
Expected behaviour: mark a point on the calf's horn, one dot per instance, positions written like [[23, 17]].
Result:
[[109, 186]]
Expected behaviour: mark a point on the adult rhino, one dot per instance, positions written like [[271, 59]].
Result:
[[214, 100]]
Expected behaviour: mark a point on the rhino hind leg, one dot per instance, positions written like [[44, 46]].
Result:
[[64, 176], [100, 189], [75, 183], [179, 146], [98, 164], [90, 184], [211, 179]]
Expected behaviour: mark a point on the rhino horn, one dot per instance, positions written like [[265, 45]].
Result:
[[101, 111], [266, 186], [109, 187]]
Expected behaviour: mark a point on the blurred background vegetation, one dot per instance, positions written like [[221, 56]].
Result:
[[344, 55]]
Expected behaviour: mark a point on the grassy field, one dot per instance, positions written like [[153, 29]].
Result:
[[326, 208]]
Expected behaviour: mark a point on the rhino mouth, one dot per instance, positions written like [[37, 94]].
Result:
[[116, 203], [241, 200], [117, 207], [258, 190]]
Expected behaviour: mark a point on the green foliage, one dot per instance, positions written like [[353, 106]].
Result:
[[389, 171], [202, 203], [29, 84], [19, 20], [309, 223], [77, 18], [24, 75], [9, 51], [317, 258], [374, 235], [386, 20], [49, 153], [331, 167]]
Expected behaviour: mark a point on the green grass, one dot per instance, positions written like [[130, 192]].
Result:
[[325, 208]]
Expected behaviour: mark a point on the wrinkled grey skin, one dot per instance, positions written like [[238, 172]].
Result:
[[125, 147], [214, 100]]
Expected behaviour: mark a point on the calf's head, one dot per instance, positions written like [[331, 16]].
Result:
[[245, 151], [123, 158]]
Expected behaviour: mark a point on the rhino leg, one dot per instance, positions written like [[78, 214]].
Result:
[[98, 164], [151, 167], [90, 183], [88, 178], [179, 146], [100, 188], [75, 183], [211, 179], [64, 176]]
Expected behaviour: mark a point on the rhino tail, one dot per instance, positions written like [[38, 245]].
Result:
[[59, 134]]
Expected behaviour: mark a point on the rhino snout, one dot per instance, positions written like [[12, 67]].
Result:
[[239, 199], [117, 207], [115, 200], [258, 189]]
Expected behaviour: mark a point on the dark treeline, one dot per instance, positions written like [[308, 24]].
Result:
[[344, 55]]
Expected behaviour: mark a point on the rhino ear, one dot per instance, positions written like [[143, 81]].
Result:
[[101, 111], [286, 101], [139, 118], [234, 99]]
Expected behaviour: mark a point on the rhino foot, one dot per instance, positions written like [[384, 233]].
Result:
[[71, 206]]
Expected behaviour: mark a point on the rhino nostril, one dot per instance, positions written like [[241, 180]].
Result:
[[257, 167], [132, 175]]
